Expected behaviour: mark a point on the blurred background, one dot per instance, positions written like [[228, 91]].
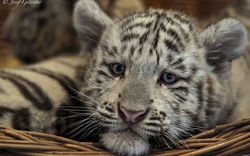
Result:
[[201, 9]]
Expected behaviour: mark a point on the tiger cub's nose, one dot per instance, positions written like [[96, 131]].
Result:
[[131, 115]]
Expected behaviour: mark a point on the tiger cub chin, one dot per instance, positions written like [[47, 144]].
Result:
[[154, 77]]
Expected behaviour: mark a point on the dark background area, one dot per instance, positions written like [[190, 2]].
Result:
[[200, 9]]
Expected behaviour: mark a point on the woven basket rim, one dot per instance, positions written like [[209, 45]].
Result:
[[227, 139]]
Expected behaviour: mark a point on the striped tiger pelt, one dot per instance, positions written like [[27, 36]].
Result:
[[155, 76], [33, 97]]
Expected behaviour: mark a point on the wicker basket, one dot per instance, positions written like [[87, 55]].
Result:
[[228, 139]]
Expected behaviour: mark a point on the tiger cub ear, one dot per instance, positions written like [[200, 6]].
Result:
[[90, 21], [224, 41]]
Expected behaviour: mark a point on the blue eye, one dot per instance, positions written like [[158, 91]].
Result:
[[168, 78], [117, 68]]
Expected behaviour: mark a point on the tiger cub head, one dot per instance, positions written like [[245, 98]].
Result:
[[155, 76]]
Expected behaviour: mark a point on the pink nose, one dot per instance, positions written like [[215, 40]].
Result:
[[131, 115]]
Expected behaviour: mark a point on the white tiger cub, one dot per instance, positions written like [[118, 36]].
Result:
[[154, 76]]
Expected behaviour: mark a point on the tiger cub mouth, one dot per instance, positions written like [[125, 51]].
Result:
[[128, 133]]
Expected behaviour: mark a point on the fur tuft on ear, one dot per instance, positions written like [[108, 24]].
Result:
[[90, 22], [224, 42]]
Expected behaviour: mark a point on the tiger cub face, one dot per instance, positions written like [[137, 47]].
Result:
[[154, 75]]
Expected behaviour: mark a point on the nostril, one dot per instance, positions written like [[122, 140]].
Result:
[[131, 115]]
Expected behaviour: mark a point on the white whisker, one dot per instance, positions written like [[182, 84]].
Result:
[[84, 122], [92, 129], [81, 100], [91, 99], [165, 142]]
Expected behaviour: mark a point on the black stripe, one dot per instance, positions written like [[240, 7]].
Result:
[[134, 26], [170, 45], [131, 51], [189, 113], [150, 52], [157, 58], [148, 25], [180, 98], [163, 114], [3, 110], [210, 100], [183, 32], [106, 115], [100, 72], [99, 81], [42, 103], [89, 92], [115, 50], [140, 51], [21, 119], [110, 110], [194, 69], [126, 20], [183, 89], [155, 118], [153, 124], [200, 96], [158, 16], [176, 36], [144, 37], [129, 37], [124, 48], [105, 63], [187, 78], [156, 39], [163, 28], [169, 59], [177, 62], [63, 80], [182, 19], [171, 21], [109, 53], [153, 131], [181, 67], [186, 35], [178, 122], [105, 103], [104, 48], [138, 25]]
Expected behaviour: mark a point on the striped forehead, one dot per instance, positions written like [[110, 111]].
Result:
[[172, 29], [166, 35]]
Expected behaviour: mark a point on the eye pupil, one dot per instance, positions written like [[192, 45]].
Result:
[[117, 68]]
